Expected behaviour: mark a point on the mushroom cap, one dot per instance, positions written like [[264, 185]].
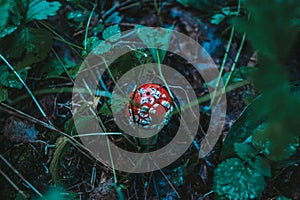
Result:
[[150, 106]]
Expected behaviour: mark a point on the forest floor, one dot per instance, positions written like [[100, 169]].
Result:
[[31, 148]]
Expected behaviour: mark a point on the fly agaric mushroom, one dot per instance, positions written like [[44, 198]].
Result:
[[150, 106]]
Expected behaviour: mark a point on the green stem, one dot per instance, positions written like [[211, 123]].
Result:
[[87, 26], [223, 64], [26, 87]]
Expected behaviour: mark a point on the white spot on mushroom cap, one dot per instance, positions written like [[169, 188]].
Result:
[[156, 94], [151, 100], [141, 91], [155, 105], [144, 100], [165, 104], [152, 111], [145, 122], [142, 113]]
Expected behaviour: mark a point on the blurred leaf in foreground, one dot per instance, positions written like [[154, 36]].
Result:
[[9, 79], [4, 12], [36, 43], [41, 9]]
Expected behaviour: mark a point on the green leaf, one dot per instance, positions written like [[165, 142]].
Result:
[[7, 30], [275, 149], [154, 38], [3, 93], [102, 48], [77, 15], [261, 164], [34, 43], [105, 110], [4, 12], [56, 68], [112, 32], [273, 36], [91, 43], [14, 19], [20, 8], [114, 18], [217, 18], [41, 9], [185, 3], [244, 150], [242, 128], [235, 180], [9, 79]]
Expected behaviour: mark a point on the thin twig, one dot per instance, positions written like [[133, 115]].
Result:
[[20, 175], [13, 184], [26, 87], [72, 140]]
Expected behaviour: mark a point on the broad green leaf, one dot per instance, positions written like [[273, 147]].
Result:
[[56, 68], [9, 79], [273, 36], [234, 179], [242, 128], [4, 12], [275, 149], [104, 110], [249, 154], [20, 8], [3, 94], [90, 44], [41, 9], [185, 3], [77, 15], [34, 43], [114, 18], [262, 164], [7, 30], [102, 48], [112, 32], [13, 21], [155, 38], [217, 18], [244, 150]]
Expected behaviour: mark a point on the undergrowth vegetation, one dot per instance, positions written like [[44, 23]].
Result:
[[255, 46]]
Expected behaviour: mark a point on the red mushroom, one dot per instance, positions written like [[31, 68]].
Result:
[[150, 106]]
